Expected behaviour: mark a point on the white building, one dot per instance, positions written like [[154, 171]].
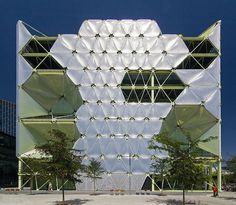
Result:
[[113, 86]]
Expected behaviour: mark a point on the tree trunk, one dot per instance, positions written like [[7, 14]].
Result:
[[63, 192], [162, 184], [183, 195], [94, 185]]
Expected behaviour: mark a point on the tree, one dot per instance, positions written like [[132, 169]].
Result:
[[60, 160], [161, 167], [231, 165], [183, 158], [94, 171]]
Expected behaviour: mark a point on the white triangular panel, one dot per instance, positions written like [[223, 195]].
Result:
[[75, 75], [187, 75], [203, 79], [83, 113], [214, 69], [24, 70], [90, 28], [174, 44], [214, 36], [213, 104], [203, 92], [187, 97], [23, 35]]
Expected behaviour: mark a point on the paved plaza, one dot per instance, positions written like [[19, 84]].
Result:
[[225, 198]]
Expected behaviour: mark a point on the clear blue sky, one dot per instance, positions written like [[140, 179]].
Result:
[[187, 17]]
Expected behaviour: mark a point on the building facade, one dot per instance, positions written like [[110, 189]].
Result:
[[8, 117], [115, 85], [8, 160]]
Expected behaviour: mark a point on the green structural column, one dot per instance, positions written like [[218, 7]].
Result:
[[20, 179], [152, 91], [219, 175], [153, 183]]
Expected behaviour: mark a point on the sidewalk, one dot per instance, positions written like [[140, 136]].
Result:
[[225, 198]]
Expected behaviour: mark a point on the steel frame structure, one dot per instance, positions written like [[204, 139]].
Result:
[[76, 83]]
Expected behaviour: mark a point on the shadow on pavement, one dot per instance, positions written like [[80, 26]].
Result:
[[227, 198], [73, 202], [173, 202]]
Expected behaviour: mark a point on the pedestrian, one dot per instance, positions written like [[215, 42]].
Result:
[[50, 186], [215, 190]]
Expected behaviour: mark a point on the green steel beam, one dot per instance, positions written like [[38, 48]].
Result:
[[34, 54], [164, 87], [45, 38], [49, 120], [195, 38], [150, 71], [203, 55], [50, 71]]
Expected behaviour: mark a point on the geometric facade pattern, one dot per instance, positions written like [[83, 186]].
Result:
[[115, 85]]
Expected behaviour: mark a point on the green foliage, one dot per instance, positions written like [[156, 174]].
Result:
[[231, 165], [184, 164], [58, 159], [61, 160], [94, 171]]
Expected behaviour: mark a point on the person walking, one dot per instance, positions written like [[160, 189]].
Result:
[[215, 190]]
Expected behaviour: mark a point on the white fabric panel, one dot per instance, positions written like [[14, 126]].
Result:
[[134, 147], [110, 149], [99, 126], [86, 78], [140, 165], [91, 130], [63, 47], [82, 125], [102, 94], [203, 79], [213, 104], [83, 113], [187, 75], [105, 129], [148, 28], [151, 44], [75, 75], [88, 93], [176, 58], [214, 69], [152, 127], [81, 144], [120, 165], [93, 147], [159, 110], [164, 63], [174, 44], [122, 146], [187, 97], [24, 70], [90, 28], [134, 28], [203, 92], [99, 112], [77, 61], [22, 36], [109, 110], [109, 77], [214, 37]]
